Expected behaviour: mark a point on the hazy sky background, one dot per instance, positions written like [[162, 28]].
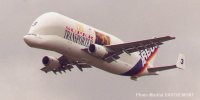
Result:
[[131, 20]]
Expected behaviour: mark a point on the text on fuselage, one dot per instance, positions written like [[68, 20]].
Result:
[[147, 53], [78, 36]]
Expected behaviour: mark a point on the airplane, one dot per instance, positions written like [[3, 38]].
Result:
[[83, 46]]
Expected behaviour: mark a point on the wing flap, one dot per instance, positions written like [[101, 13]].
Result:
[[135, 49]]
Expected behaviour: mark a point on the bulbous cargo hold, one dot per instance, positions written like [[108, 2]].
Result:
[[49, 24]]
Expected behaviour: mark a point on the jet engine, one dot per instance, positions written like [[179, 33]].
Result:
[[98, 50], [51, 62]]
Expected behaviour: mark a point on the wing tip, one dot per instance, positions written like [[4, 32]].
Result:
[[171, 37]]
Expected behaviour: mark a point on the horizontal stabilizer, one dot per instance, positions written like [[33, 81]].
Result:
[[180, 64]]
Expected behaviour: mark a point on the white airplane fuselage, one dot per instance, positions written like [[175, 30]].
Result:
[[55, 32]]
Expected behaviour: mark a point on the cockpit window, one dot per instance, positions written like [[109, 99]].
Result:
[[32, 34], [34, 23]]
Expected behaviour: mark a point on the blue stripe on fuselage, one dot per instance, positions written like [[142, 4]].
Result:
[[135, 70]]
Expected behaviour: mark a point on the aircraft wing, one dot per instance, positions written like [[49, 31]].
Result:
[[138, 45], [117, 49], [66, 64]]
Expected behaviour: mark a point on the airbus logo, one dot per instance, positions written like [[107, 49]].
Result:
[[145, 54]]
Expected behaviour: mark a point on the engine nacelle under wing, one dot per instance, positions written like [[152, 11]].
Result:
[[51, 62], [98, 50]]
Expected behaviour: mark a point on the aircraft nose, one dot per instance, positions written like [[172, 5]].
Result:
[[27, 39], [30, 39]]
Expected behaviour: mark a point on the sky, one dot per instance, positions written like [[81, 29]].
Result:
[[131, 20]]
